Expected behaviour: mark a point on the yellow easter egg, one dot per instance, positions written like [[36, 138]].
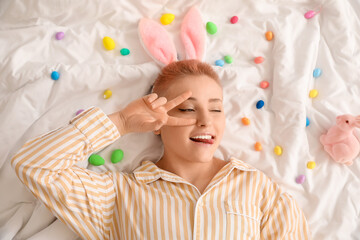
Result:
[[311, 165], [278, 150], [167, 18], [313, 93], [107, 94], [109, 43]]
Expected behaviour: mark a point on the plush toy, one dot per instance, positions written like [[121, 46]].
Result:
[[161, 48], [340, 141]]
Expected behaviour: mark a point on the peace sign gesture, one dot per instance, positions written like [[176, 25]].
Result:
[[149, 113]]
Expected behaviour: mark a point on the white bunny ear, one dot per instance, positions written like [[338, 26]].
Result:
[[157, 41], [193, 35]]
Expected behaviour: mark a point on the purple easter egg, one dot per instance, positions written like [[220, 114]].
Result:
[[59, 35], [300, 179]]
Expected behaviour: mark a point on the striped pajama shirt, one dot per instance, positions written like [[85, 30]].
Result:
[[240, 202]]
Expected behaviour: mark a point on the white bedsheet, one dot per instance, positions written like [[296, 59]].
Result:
[[31, 103]]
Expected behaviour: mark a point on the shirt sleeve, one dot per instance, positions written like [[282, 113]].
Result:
[[285, 220], [82, 199]]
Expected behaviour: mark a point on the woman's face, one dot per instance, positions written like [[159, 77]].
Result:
[[205, 105]]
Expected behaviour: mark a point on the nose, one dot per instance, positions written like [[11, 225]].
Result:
[[203, 119]]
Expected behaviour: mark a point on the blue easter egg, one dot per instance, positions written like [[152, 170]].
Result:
[[219, 62], [55, 75], [317, 72], [260, 104], [307, 121]]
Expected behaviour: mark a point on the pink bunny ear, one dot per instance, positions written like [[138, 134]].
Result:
[[193, 35], [156, 41]]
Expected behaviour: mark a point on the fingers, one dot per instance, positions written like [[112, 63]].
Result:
[[154, 126], [174, 121], [151, 97], [178, 100], [158, 102]]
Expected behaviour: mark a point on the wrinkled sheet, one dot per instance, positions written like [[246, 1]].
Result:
[[31, 103]]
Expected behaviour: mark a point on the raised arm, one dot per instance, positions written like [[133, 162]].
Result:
[[82, 199]]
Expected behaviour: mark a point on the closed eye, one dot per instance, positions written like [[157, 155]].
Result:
[[187, 110], [192, 110]]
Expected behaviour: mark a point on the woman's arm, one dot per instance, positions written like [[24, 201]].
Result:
[[81, 198]]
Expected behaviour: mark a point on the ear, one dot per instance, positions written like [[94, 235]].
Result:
[[156, 41], [193, 35], [357, 121]]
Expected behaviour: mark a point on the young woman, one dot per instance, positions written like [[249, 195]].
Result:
[[186, 194]]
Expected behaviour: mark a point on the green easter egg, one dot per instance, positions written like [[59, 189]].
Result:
[[117, 155], [96, 160], [125, 51], [211, 27], [228, 59]]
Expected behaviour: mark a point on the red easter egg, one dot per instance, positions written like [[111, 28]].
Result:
[[234, 19], [264, 84], [258, 60]]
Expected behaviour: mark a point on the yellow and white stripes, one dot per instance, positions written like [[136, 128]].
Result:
[[239, 203], [84, 200]]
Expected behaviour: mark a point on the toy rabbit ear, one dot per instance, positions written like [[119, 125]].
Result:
[[156, 41], [357, 121], [193, 35]]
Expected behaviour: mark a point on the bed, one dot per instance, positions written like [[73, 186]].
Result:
[[31, 103]]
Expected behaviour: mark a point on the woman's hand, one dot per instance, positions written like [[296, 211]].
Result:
[[149, 113]]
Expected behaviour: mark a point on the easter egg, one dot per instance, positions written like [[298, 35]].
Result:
[[219, 62], [107, 94], [269, 35], [300, 179], [313, 93], [309, 14], [264, 84], [258, 60], [278, 150], [124, 51], [55, 75], [109, 43], [311, 165], [59, 35], [317, 72], [260, 104], [167, 18], [96, 160], [79, 111], [211, 28], [307, 121], [258, 146], [228, 59], [245, 121], [234, 19], [117, 155]]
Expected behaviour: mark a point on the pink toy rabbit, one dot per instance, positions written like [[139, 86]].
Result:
[[340, 141]]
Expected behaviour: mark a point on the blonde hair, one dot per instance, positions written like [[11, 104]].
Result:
[[180, 69]]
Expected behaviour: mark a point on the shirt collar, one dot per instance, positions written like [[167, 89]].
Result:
[[148, 172]]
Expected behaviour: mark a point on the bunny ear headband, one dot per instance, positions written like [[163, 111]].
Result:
[[158, 44]]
